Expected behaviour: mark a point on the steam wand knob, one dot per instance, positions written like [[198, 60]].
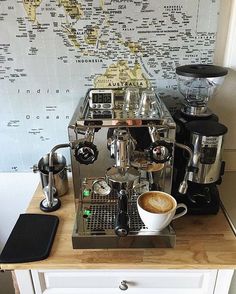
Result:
[[160, 151], [86, 152]]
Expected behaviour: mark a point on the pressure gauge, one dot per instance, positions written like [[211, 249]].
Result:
[[101, 187]]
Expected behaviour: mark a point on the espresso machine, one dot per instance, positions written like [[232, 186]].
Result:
[[199, 128], [122, 144]]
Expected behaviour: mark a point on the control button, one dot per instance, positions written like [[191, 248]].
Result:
[[94, 106], [106, 105], [87, 213], [86, 192], [99, 106]]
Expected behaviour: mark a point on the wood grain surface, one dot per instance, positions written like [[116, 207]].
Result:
[[202, 242]]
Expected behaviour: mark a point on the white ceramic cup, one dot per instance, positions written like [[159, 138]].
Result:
[[158, 221]]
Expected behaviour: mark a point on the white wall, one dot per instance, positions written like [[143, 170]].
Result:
[[222, 31], [224, 102], [224, 105], [16, 192]]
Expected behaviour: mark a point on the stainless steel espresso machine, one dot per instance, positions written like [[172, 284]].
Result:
[[122, 144], [198, 128]]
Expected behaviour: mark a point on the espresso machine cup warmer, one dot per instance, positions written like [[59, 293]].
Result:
[[199, 129], [119, 151]]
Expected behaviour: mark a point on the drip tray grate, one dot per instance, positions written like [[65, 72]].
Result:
[[95, 223], [103, 216]]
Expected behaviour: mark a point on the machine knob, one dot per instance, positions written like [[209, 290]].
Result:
[[160, 151], [123, 285], [86, 152]]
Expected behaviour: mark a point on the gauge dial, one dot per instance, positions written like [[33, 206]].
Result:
[[101, 187]]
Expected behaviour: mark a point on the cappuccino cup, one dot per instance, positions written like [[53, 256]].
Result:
[[157, 209]]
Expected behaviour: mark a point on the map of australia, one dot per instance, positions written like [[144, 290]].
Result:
[[51, 52]]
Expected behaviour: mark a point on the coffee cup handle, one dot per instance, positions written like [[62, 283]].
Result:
[[181, 213]]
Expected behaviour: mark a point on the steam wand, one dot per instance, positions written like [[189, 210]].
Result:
[[85, 152], [156, 142], [183, 187]]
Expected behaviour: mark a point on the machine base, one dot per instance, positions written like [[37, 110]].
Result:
[[96, 221], [142, 239], [46, 208]]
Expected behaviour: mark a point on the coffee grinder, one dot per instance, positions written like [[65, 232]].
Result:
[[198, 128]]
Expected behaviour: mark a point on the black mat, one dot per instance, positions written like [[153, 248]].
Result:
[[31, 238]]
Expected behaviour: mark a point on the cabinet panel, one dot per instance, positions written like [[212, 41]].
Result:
[[139, 281]]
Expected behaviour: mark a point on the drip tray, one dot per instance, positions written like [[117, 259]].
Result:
[[94, 228]]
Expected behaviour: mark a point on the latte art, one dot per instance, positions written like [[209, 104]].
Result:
[[156, 202]]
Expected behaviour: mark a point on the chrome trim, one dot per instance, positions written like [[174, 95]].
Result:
[[196, 110]]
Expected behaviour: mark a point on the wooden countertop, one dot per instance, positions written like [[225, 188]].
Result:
[[201, 242]]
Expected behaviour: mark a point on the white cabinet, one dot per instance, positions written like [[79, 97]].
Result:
[[125, 281]]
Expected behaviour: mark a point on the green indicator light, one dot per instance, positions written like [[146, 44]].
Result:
[[86, 193], [87, 212]]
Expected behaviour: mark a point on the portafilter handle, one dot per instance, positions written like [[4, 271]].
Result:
[[122, 218]]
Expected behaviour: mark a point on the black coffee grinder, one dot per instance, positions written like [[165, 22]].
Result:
[[198, 128]]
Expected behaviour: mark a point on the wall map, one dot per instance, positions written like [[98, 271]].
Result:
[[52, 51]]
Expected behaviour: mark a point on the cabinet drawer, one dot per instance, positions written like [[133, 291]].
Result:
[[108, 281]]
